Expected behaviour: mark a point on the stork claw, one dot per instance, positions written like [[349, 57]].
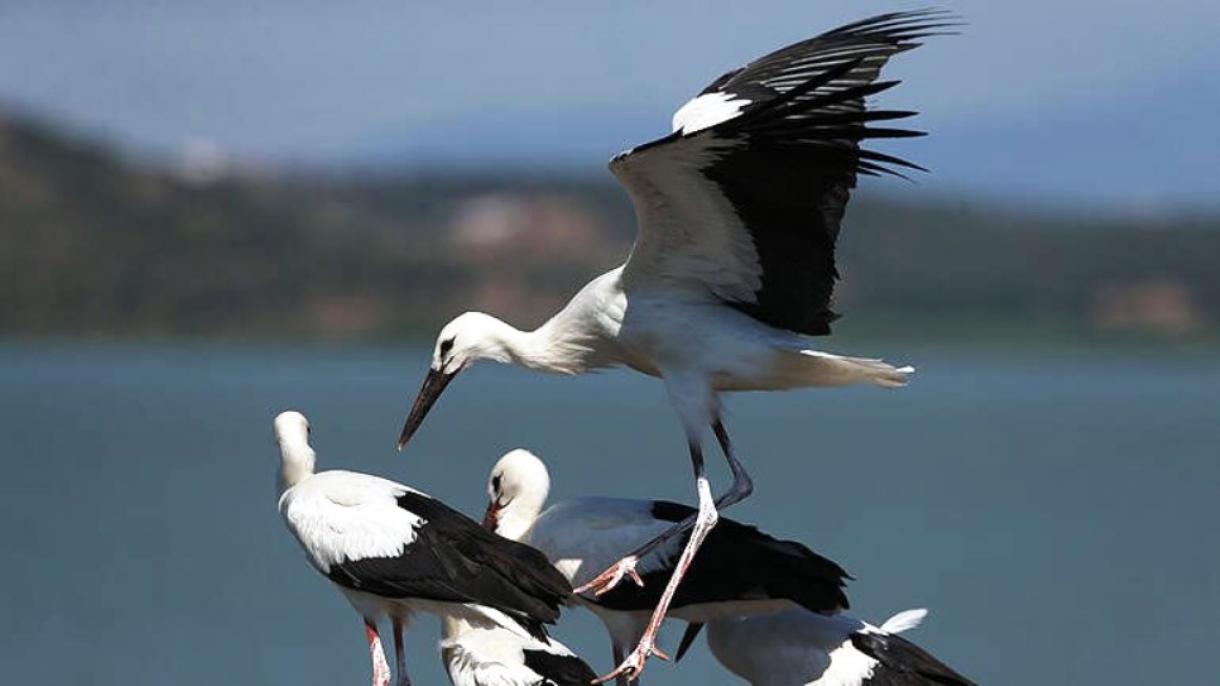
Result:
[[606, 581], [633, 666]]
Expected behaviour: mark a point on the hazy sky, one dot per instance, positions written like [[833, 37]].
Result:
[[1111, 100]]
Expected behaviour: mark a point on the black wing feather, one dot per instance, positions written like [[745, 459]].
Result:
[[688, 639], [791, 181], [791, 157], [453, 559], [737, 562], [903, 663], [559, 670]]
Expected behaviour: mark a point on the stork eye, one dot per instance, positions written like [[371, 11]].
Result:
[[446, 346], [495, 483]]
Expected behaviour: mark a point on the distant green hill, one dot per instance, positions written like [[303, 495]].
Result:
[[90, 244]]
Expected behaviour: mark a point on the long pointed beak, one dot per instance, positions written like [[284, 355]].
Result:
[[491, 518], [434, 384]]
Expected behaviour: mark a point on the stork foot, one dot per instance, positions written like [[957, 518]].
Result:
[[633, 666], [606, 581]]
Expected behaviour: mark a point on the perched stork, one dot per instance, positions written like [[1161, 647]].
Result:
[[394, 551], [740, 570], [733, 267], [497, 656], [799, 648]]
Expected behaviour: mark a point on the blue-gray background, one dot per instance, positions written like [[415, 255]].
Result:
[[1048, 486], [1095, 99], [1055, 511]]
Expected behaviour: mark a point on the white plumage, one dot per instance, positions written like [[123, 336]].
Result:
[[498, 656], [339, 515], [394, 551], [707, 110], [799, 648], [741, 572], [733, 267], [582, 536]]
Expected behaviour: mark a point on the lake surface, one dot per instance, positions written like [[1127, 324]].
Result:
[[1057, 512]]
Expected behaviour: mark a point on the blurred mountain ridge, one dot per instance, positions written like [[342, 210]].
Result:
[[91, 244]]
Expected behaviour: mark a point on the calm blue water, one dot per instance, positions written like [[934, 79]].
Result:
[[1057, 513]]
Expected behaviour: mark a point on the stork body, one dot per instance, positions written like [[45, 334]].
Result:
[[740, 571], [798, 648], [498, 656], [394, 552], [733, 267]]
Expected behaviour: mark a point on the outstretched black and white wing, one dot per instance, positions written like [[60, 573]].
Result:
[[744, 199]]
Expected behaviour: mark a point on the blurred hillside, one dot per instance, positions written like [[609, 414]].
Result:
[[90, 244]]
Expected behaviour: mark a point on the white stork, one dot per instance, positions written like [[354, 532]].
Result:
[[733, 268], [497, 656], [739, 571], [799, 648], [394, 551]]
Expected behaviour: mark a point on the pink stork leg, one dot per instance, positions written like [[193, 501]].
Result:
[[381, 669], [741, 488], [705, 520]]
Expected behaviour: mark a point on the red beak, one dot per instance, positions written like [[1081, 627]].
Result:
[[491, 518]]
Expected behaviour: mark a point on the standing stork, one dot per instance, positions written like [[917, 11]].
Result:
[[740, 571], [394, 551], [733, 267]]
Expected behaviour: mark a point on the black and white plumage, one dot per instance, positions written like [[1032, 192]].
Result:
[[747, 195], [740, 570], [733, 267], [496, 656], [799, 648], [394, 551]]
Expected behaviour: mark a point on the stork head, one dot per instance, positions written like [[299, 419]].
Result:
[[468, 338], [296, 456], [516, 492]]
